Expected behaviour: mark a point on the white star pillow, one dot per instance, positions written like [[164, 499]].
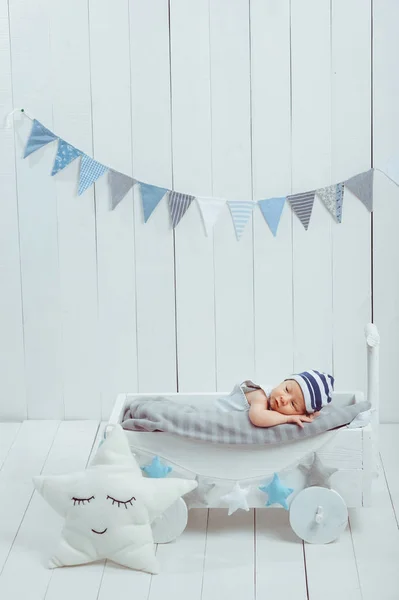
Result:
[[109, 508]]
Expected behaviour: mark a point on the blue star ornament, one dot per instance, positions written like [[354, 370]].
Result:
[[156, 469], [277, 492]]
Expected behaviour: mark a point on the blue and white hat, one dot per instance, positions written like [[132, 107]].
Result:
[[317, 389]]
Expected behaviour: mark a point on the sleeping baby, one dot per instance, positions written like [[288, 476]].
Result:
[[297, 400]]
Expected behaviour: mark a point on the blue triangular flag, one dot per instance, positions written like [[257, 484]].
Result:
[[271, 210], [39, 136], [90, 171], [151, 195], [65, 155], [240, 211]]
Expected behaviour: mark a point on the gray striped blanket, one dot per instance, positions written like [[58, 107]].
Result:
[[213, 425]]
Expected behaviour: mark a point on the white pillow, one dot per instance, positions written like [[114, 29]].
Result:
[[109, 507]]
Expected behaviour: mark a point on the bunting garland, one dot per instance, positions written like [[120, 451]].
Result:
[[361, 185]]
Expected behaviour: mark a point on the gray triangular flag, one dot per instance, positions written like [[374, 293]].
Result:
[[119, 185], [362, 187], [302, 205], [178, 204]]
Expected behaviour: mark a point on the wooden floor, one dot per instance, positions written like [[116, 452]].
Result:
[[246, 556]]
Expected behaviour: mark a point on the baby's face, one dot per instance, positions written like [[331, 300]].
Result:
[[287, 398]]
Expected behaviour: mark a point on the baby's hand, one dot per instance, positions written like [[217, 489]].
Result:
[[300, 419]]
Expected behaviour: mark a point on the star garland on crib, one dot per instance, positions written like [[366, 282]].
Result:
[[277, 493]]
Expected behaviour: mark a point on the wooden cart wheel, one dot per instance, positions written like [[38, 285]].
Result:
[[318, 515], [171, 523]]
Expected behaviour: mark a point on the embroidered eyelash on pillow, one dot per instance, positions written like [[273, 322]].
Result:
[[109, 507]]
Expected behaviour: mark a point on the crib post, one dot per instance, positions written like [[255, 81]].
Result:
[[373, 378]]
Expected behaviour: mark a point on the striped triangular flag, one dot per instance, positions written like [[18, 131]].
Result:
[[39, 137], [210, 210], [302, 205], [362, 187], [90, 171], [240, 210], [271, 210], [151, 196], [332, 197], [65, 155], [119, 185], [178, 205]]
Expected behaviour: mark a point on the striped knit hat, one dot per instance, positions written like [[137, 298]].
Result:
[[317, 389]]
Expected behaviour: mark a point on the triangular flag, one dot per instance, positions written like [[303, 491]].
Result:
[[65, 155], [151, 196], [210, 209], [90, 171], [119, 185], [302, 205], [362, 187], [39, 136], [178, 205], [332, 197], [271, 210], [240, 210]]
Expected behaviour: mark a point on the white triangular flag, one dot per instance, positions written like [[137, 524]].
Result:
[[210, 210]]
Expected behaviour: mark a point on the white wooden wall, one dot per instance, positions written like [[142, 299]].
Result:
[[232, 98]]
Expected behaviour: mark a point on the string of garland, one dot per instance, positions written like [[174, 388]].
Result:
[[272, 485], [361, 185]]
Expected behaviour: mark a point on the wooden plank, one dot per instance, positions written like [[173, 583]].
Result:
[[386, 194], [376, 541], [350, 154], [324, 562], [389, 445], [12, 370], [41, 527], [182, 562], [152, 163], [8, 433], [271, 151], [311, 168], [25, 459], [37, 210], [230, 559], [76, 215], [111, 91], [232, 179], [278, 552], [192, 173]]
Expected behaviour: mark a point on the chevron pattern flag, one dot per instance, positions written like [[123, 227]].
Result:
[[178, 205], [332, 197], [362, 187], [302, 205], [119, 185], [240, 212], [90, 171], [66, 153], [151, 196], [271, 210], [39, 137]]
